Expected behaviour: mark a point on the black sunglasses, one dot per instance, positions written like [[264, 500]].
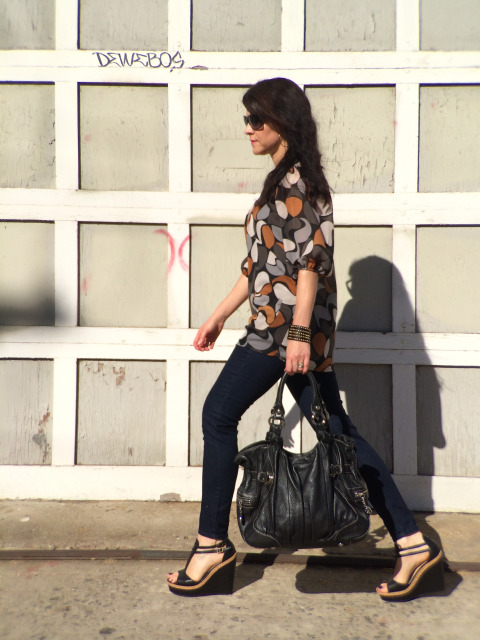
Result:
[[254, 121]]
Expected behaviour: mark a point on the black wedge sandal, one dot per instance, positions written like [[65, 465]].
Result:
[[425, 579], [217, 581]]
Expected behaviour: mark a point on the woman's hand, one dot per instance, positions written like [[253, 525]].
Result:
[[208, 333], [297, 353]]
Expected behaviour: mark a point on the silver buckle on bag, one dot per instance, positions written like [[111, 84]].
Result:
[[266, 478]]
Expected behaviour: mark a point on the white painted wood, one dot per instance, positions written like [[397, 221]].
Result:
[[27, 273], [66, 135], [121, 413], [27, 135], [378, 209], [408, 25], [236, 26], [363, 266], [448, 279], [178, 286], [26, 390], [347, 117], [179, 159], [179, 25], [449, 131], [403, 278], [449, 25], [217, 255], [439, 493], [128, 148], [114, 25], [292, 434], [199, 64], [368, 25], [177, 413], [64, 411], [27, 24], [66, 24], [66, 273], [406, 138], [404, 211], [18, 342], [123, 275], [151, 483], [293, 25], [404, 420], [448, 416]]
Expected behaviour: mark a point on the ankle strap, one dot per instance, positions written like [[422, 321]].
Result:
[[218, 547], [413, 550]]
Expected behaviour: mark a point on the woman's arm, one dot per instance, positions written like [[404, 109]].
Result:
[[211, 329], [299, 352]]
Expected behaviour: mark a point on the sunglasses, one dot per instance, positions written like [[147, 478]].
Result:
[[254, 121]]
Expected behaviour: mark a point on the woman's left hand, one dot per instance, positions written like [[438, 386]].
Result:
[[298, 353]]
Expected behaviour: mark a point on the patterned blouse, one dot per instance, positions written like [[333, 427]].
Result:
[[283, 237]]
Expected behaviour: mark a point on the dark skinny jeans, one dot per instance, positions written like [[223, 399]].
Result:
[[246, 376]]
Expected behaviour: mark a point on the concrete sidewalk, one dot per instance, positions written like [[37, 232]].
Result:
[[166, 530]]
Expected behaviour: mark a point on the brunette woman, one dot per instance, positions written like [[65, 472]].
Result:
[[288, 277]]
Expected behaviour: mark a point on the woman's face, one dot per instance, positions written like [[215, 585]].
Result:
[[266, 141]]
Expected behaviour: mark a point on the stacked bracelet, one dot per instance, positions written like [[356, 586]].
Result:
[[301, 334]]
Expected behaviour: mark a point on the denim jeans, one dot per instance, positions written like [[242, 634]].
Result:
[[246, 376]]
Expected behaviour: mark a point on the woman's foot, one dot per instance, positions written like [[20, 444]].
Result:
[[418, 569], [200, 563], [404, 567], [210, 569]]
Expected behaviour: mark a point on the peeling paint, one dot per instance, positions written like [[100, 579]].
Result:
[[120, 375], [170, 497]]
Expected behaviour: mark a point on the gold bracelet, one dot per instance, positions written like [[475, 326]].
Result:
[[299, 333]]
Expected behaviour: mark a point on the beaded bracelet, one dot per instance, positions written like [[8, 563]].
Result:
[[301, 334]]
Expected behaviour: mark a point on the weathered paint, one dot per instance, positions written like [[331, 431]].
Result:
[[123, 275], [118, 25], [27, 24], [217, 254], [449, 134], [448, 279], [449, 25], [368, 25], [27, 136], [364, 278], [123, 138], [26, 397], [222, 156], [121, 413], [27, 278], [366, 391], [252, 427], [229, 25], [448, 414], [356, 133]]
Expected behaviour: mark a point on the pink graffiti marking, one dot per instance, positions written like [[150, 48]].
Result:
[[171, 246], [185, 266]]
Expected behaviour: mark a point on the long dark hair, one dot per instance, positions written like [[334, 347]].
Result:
[[284, 106]]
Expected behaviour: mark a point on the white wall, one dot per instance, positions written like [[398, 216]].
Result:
[[124, 183]]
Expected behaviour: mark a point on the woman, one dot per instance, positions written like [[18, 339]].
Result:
[[289, 278]]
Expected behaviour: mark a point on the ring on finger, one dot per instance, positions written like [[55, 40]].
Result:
[[300, 365]]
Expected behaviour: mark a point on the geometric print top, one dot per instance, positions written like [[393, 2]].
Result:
[[283, 237]]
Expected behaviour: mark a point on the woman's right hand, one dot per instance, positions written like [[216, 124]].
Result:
[[207, 334]]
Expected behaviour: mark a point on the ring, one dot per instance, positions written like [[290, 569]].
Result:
[[300, 365]]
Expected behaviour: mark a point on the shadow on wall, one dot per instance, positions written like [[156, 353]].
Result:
[[35, 313], [369, 309]]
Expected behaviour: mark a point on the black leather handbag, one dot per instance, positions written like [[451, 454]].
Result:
[[301, 500]]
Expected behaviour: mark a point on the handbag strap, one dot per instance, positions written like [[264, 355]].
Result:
[[319, 412]]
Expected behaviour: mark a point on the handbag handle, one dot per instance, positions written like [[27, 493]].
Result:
[[319, 412]]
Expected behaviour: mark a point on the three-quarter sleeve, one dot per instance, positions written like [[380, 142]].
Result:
[[307, 233]]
